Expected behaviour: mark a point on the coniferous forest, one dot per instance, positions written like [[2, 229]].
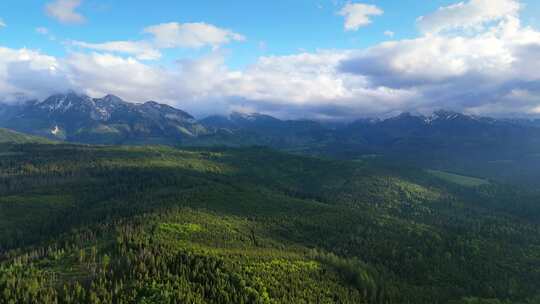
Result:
[[113, 224]]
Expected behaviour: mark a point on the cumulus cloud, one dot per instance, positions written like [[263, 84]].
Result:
[[473, 14], [29, 73], [187, 84], [65, 11], [167, 35], [191, 35], [478, 72], [99, 74], [304, 85], [309, 85], [358, 15]]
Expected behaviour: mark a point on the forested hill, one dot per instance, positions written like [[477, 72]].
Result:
[[87, 224], [9, 136]]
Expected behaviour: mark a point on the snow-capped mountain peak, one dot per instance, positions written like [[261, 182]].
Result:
[[108, 119], [64, 102]]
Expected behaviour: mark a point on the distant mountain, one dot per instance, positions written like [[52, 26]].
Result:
[[506, 150], [236, 121], [443, 135], [257, 129], [443, 129], [107, 120]]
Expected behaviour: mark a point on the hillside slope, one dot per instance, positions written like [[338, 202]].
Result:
[[9, 136], [83, 224]]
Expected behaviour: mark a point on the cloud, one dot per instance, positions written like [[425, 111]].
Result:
[[306, 85], [164, 36], [29, 73], [309, 85], [430, 59], [473, 14], [478, 72], [191, 35], [140, 49], [100, 74], [358, 15], [196, 85], [2, 23], [302, 85], [389, 34], [64, 11]]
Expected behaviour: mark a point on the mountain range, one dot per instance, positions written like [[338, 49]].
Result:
[[483, 146], [108, 120]]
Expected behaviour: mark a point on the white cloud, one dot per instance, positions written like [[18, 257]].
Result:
[[191, 35], [473, 14], [2, 23], [477, 72], [100, 74], [140, 49], [431, 59], [64, 11], [303, 85], [167, 35], [358, 15], [29, 73], [193, 85], [309, 85]]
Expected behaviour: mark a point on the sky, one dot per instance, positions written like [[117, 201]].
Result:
[[294, 59]]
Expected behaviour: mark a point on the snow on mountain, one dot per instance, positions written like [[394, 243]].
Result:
[[82, 118]]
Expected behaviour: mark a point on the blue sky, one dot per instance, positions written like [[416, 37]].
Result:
[[276, 27], [262, 45]]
